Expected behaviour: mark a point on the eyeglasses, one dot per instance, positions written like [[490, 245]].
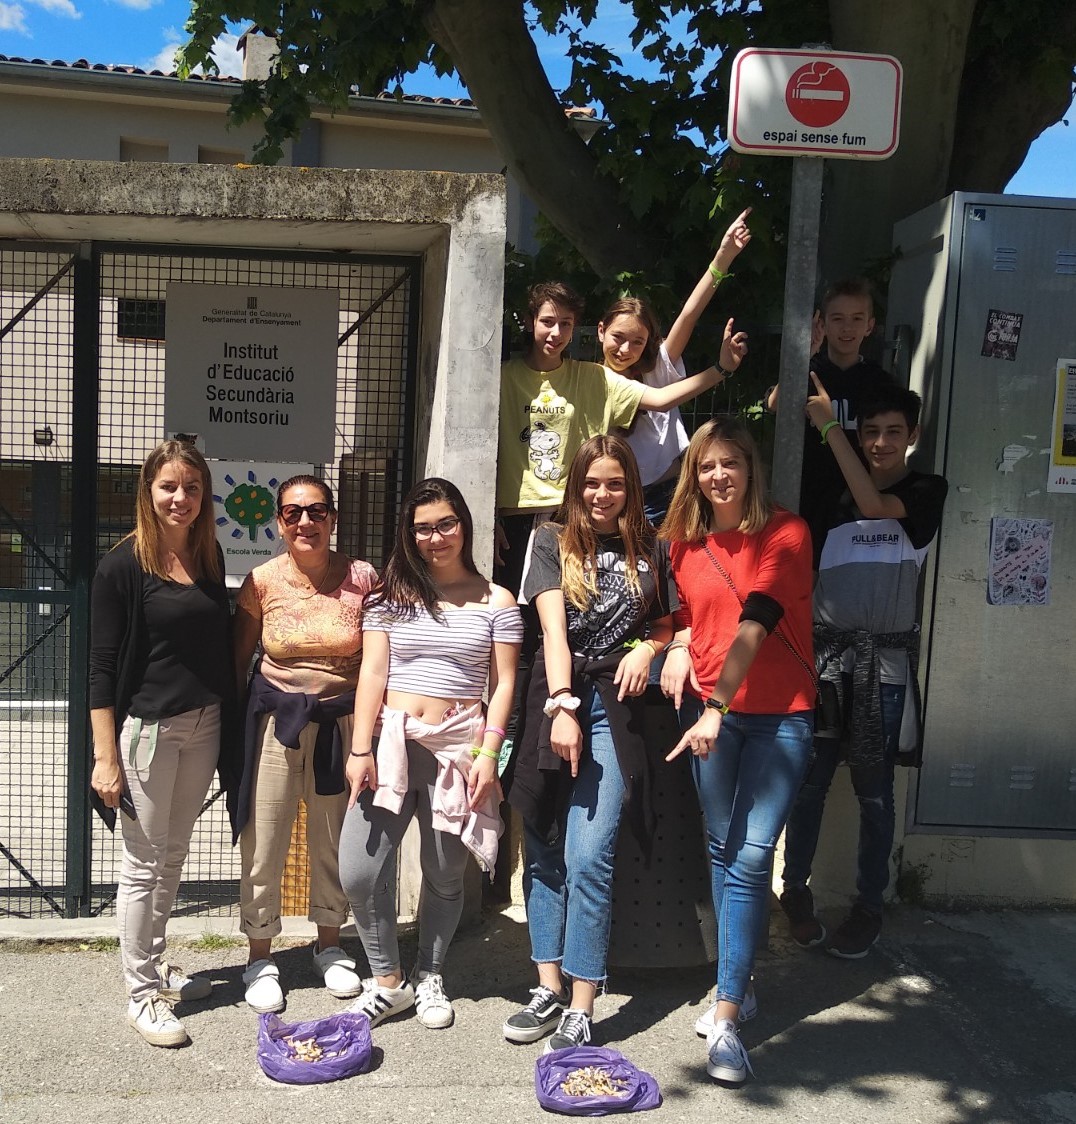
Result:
[[291, 513], [444, 527]]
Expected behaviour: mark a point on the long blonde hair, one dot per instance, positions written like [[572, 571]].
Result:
[[578, 539], [147, 532], [690, 514]]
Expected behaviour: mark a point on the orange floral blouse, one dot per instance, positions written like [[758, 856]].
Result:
[[313, 643]]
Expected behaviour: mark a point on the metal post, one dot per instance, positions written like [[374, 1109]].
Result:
[[796, 328], [84, 407]]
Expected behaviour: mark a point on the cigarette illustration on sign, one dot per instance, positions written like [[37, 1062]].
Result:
[[808, 84], [817, 94]]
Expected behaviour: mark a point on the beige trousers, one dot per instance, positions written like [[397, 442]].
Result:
[[281, 777], [168, 774]]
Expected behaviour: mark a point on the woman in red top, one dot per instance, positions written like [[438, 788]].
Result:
[[741, 671]]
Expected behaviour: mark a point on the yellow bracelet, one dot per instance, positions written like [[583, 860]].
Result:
[[475, 750], [492, 753]]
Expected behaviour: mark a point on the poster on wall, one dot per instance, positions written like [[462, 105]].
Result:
[[251, 370], [1002, 335], [1062, 476], [244, 507], [1019, 569]]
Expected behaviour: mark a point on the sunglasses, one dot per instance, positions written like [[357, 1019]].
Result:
[[443, 527], [291, 513]]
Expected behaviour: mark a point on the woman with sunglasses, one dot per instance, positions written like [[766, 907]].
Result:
[[304, 608], [435, 635]]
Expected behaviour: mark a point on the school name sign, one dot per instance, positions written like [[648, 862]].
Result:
[[251, 371], [815, 103]]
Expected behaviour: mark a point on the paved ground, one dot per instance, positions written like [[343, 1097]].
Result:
[[954, 1019]]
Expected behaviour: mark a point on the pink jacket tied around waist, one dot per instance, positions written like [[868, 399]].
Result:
[[450, 742]]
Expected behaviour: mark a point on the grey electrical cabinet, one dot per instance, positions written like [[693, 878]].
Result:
[[982, 308]]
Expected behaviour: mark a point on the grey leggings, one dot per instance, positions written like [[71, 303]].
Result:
[[369, 842]]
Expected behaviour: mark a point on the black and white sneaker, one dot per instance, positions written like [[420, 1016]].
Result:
[[573, 1030], [378, 1003], [539, 1016]]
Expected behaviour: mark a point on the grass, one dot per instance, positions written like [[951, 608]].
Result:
[[213, 942]]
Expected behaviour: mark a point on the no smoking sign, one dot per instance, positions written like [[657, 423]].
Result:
[[809, 103], [817, 94]]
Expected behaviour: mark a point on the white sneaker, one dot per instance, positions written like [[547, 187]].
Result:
[[705, 1022], [434, 1008], [337, 969], [262, 983], [176, 986], [378, 1003], [153, 1019], [726, 1058]]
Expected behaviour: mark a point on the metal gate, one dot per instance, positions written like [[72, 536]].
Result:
[[82, 403]]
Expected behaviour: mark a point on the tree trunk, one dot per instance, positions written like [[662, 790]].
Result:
[[496, 57], [1009, 94], [865, 198]]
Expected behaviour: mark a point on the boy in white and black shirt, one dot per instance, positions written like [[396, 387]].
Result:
[[866, 646]]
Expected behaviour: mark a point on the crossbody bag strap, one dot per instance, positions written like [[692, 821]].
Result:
[[777, 629]]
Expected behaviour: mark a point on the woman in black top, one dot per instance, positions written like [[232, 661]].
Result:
[[604, 594], [160, 671]]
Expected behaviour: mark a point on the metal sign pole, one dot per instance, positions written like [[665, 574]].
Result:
[[796, 328]]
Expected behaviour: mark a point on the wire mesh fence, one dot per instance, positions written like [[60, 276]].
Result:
[[375, 381]]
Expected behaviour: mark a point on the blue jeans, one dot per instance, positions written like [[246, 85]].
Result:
[[568, 886], [746, 787], [876, 818], [656, 500]]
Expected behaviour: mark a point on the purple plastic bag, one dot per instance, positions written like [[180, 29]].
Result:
[[345, 1036], [640, 1090]]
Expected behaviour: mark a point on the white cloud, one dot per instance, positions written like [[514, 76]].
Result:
[[13, 18], [138, 5], [227, 55], [225, 51], [59, 8], [165, 59]]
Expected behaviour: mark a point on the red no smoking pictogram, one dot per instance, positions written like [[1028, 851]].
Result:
[[817, 94]]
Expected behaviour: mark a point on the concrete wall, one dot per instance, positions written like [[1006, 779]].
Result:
[[65, 113]]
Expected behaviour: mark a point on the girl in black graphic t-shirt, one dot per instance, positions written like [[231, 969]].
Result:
[[602, 589]]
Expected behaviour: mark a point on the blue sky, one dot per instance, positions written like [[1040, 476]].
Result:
[[145, 33]]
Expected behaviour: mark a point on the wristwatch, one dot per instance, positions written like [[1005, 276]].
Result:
[[716, 704]]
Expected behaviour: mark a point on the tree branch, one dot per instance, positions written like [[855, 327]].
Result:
[[496, 57]]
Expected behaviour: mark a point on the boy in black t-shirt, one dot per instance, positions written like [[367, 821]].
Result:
[[843, 321], [866, 619]]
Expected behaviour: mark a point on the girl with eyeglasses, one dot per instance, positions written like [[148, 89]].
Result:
[[601, 583], [436, 634], [304, 608]]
